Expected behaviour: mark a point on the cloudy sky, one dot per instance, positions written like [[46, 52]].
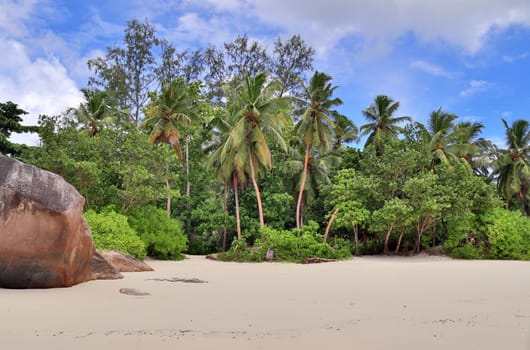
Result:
[[470, 57]]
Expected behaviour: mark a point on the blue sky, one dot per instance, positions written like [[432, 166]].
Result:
[[470, 57]]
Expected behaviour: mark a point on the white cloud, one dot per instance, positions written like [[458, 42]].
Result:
[[431, 69], [13, 14], [511, 59], [38, 86], [464, 24], [474, 87]]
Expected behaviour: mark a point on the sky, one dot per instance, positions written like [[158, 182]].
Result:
[[469, 57]]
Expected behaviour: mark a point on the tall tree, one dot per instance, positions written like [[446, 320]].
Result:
[[315, 129], [128, 72], [290, 60], [167, 114], [381, 120], [10, 122], [97, 110], [512, 167], [262, 115]]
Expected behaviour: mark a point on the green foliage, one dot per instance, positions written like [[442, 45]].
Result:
[[467, 251], [163, 237], [287, 246], [10, 121], [508, 234], [111, 231]]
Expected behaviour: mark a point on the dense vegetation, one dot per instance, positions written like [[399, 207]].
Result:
[[239, 149]]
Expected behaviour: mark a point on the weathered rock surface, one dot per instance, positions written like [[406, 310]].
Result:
[[125, 263], [44, 240], [103, 270]]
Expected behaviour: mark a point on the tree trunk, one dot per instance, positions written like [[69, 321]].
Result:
[[356, 237], [302, 185], [256, 189], [188, 186], [330, 222], [387, 238], [168, 188], [399, 242], [236, 198], [225, 208]]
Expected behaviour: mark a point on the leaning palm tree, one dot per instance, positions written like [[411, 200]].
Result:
[[316, 128], [97, 110], [512, 167], [261, 115], [317, 171], [166, 115], [381, 122]]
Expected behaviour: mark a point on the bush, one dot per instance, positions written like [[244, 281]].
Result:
[[508, 234], [111, 231], [163, 237], [287, 247], [468, 251]]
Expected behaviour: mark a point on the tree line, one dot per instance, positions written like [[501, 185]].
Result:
[[245, 146]]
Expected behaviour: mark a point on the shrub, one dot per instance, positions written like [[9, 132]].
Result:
[[508, 234], [287, 247], [111, 231], [163, 237], [468, 251]]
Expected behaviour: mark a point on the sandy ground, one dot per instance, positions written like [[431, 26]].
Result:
[[365, 303]]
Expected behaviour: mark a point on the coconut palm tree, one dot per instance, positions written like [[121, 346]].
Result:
[[316, 128], [382, 123], [317, 171], [261, 115], [449, 143], [97, 110], [345, 131], [512, 167], [166, 115]]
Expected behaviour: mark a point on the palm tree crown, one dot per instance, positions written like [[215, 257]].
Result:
[[382, 123]]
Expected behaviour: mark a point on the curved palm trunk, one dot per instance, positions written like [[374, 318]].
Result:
[[256, 189], [302, 185], [236, 198], [387, 238], [333, 216]]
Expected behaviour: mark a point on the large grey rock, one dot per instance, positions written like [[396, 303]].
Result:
[[44, 240]]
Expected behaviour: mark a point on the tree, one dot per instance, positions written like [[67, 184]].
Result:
[[244, 58], [315, 129], [10, 119], [260, 114], [395, 215], [449, 143], [291, 59], [166, 116], [382, 123], [318, 170], [127, 73], [512, 167], [97, 110]]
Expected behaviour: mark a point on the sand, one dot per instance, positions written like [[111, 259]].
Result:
[[364, 303]]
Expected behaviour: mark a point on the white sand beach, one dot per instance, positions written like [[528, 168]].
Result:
[[364, 303]]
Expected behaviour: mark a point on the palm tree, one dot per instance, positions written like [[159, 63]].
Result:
[[261, 114], [449, 143], [223, 159], [382, 123], [316, 127], [512, 167], [479, 154], [166, 115], [97, 110], [317, 169], [345, 131]]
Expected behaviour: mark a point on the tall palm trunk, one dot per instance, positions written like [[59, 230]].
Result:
[[236, 197], [225, 208], [302, 185], [168, 188], [330, 222], [256, 189]]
